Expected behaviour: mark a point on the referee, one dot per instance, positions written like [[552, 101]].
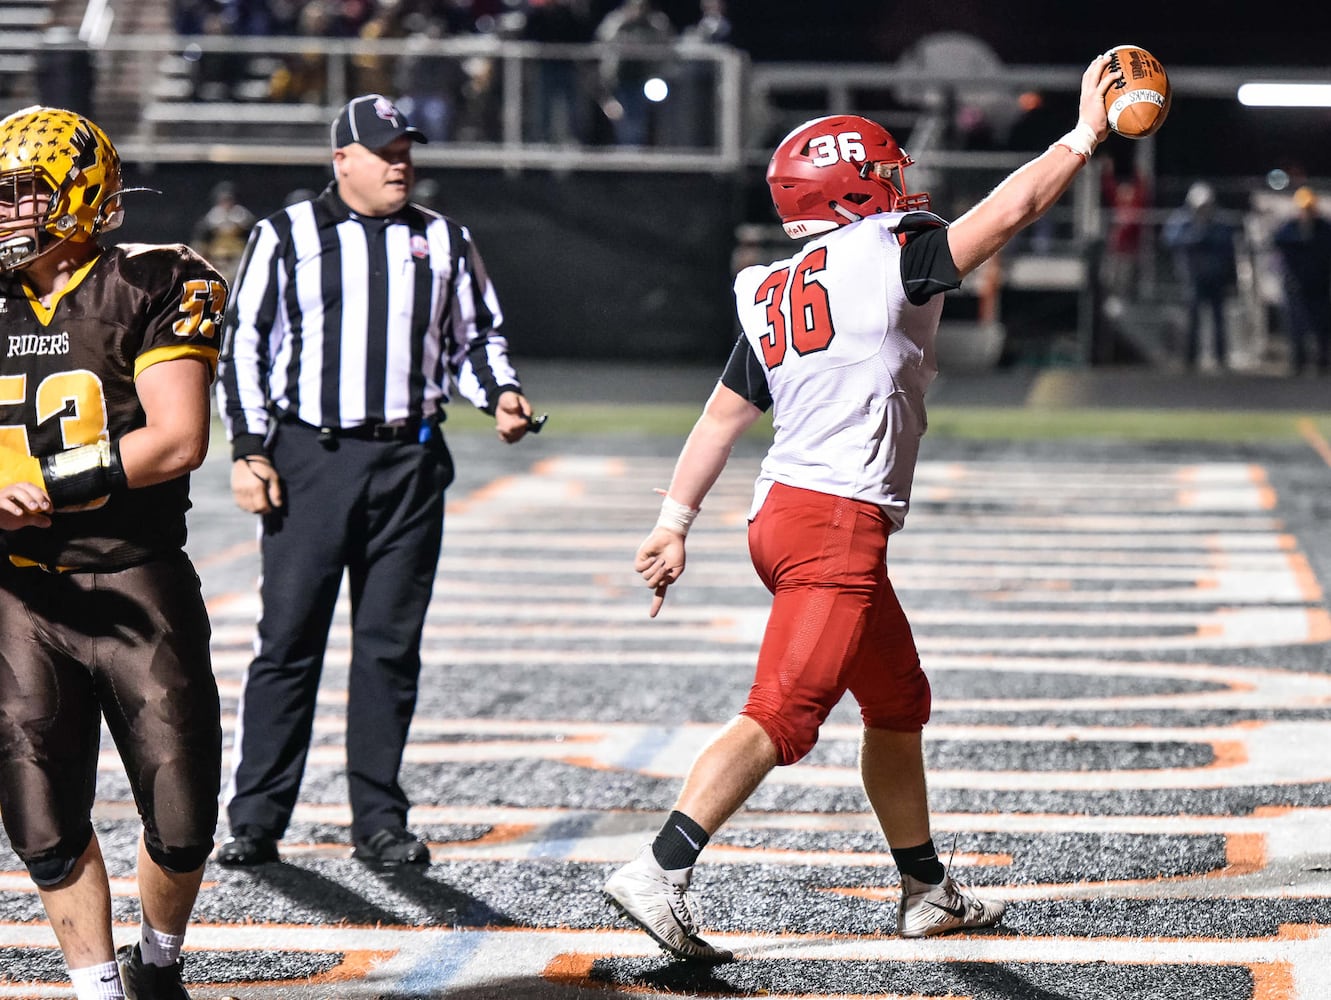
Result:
[[354, 314]]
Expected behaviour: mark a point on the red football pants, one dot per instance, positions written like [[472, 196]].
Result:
[[836, 624]]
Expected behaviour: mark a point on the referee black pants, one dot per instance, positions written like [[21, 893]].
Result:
[[374, 509]]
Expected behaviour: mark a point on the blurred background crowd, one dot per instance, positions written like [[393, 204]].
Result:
[[631, 136]]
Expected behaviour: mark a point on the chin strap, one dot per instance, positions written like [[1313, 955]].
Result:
[[845, 213]]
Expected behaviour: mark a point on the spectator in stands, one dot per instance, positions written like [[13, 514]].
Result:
[[1203, 248], [221, 233], [373, 73], [712, 27], [634, 23], [690, 110], [431, 85], [559, 89], [187, 15], [248, 17], [1126, 198], [285, 16], [355, 15], [1303, 244], [216, 72], [303, 76], [65, 74]]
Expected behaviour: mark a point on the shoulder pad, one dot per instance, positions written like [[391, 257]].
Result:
[[148, 264], [915, 221]]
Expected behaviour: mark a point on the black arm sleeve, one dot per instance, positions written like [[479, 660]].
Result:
[[927, 267], [745, 376]]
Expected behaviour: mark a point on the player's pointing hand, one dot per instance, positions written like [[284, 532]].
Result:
[[660, 561]]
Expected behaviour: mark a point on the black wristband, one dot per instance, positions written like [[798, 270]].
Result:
[[115, 468], [247, 444], [82, 474]]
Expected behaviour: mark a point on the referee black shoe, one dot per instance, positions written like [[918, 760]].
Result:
[[247, 845], [149, 982], [391, 847]]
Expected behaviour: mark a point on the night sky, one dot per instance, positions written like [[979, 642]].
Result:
[[1034, 31], [1220, 136]]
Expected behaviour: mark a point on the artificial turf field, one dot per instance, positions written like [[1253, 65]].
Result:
[[1127, 632]]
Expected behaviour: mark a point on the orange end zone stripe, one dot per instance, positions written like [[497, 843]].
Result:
[[354, 967], [1309, 589], [1314, 438], [1319, 625], [1227, 753], [1245, 853], [1272, 981]]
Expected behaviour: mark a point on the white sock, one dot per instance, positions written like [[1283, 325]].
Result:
[[98, 982], [158, 948]]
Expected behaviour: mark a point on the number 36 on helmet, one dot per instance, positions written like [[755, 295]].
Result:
[[836, 170]]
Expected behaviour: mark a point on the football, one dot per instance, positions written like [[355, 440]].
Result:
[[1137, 104]]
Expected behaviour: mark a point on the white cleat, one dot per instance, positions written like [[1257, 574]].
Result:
[[926, 910], [657, 901]]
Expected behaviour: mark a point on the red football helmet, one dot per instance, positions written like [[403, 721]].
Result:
[[836, 170]]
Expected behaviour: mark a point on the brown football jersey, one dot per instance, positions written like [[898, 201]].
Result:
[[67, 379]]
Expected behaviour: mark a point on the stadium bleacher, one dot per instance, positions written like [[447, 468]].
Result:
[[23, 23]]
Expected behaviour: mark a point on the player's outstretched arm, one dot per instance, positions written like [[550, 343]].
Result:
[[1031, 190], [660, 558]]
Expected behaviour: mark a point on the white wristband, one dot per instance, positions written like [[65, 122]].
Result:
[[1081, 140], [675, 516]]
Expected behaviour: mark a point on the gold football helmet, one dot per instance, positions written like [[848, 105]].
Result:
[[60, 153]]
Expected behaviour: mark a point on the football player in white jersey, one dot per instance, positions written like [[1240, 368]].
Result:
[[838, 341]]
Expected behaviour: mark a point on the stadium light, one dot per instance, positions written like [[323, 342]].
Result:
[[1285, 95], [656, 90]]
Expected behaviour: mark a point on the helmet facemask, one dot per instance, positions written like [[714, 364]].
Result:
[[25, 203], [892, 173]]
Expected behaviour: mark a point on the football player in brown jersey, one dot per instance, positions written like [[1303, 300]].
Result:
[[106, 357]]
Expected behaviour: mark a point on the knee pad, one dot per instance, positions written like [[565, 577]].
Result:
[[179, 859], [50, 872], [54, 866]]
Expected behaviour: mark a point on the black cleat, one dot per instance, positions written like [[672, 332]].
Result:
[[149, 982]]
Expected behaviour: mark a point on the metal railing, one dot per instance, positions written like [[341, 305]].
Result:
[[172, 98], [527, 106]]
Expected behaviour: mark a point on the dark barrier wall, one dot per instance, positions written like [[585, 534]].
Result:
[[628, 266]]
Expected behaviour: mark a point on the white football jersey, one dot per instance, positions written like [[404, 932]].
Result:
[[847, 359]]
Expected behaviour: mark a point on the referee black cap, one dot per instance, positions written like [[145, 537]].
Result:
[[373, 121]]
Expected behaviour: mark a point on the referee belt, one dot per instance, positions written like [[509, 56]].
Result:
[[395, 431]]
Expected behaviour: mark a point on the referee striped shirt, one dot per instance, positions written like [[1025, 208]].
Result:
[[339, 320]]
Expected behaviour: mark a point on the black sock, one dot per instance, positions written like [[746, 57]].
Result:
[[920, 863], [679, 843]]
